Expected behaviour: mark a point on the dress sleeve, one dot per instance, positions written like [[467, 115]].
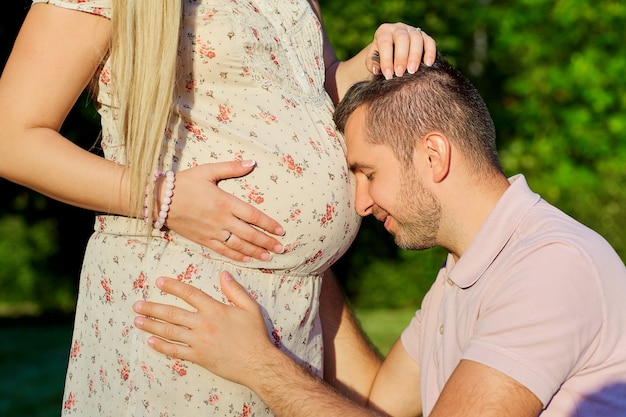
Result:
[[97, 7]]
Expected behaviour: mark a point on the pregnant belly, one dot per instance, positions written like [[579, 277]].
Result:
[[301, 178], [312, 200]]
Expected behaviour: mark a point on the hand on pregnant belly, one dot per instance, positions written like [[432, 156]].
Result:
[[228, 340], [205, 214]]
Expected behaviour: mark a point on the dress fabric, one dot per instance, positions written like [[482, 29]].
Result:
[[250, 86]]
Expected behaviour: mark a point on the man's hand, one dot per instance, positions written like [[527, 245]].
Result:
[[232, 342], [228, 340]]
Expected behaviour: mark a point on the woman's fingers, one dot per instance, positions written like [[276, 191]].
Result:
[[204, 213], [430, 49], [398, 47], [242, 229]]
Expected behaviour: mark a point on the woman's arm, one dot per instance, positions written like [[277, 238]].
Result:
[[54, 58], [396, 48]]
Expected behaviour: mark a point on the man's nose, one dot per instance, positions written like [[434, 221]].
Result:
[[364, 202]]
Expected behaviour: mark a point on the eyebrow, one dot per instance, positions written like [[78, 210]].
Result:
[[359, 166]]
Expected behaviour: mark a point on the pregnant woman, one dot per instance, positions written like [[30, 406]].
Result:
[[191, 94]]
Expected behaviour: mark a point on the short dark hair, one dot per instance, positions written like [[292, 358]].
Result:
[[403, 109]]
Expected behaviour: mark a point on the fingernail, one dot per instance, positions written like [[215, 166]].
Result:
[[248, 163], [374, 70], [399, 71], [279, 249], [246, 259], [388, 73], [139, 321], [279, 231], [429, 62], [412, 68], [265, 256], [138, 306]]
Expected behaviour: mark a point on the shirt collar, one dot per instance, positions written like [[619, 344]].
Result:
[[494, 234]]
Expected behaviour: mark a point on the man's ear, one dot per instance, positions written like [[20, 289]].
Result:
[[438, 150]]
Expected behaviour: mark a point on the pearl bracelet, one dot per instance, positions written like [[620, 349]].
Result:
[[170, 178]]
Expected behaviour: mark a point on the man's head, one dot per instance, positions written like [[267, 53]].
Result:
[[388, 122], [402, 110]]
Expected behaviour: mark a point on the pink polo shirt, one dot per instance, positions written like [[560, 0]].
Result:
[[537, 296]]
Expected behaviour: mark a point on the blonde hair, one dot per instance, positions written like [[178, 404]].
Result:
[[143, 56]]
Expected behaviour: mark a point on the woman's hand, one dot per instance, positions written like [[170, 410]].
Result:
[[398, 47], [225, 339], [211, 217]]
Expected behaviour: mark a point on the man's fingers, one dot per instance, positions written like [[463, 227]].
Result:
[[188, 293], [153, 324], [173, 350], [155, 316], [235, 293]]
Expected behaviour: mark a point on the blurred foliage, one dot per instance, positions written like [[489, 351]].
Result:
[[551, 71]]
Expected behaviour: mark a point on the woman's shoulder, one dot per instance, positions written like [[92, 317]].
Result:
[[98, 7]]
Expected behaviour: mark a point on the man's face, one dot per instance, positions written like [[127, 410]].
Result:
[[395, 196]]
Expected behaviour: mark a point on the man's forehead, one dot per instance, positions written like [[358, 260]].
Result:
[[355, 137]]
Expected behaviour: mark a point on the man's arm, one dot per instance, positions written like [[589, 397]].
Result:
[[473, 390], [396, 389], [476, 390]]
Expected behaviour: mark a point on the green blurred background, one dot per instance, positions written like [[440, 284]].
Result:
[[552, 73]]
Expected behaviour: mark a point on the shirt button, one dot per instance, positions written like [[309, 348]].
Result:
[[441, 329]]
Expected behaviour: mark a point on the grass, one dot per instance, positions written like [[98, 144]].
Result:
[[34, 354], [383, 327]]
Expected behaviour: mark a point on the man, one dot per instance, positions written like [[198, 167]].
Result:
[[526, 318]]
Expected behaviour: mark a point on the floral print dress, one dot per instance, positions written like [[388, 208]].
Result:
[[250, 86]]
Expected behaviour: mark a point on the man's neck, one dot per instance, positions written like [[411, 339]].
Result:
[[466, 211]]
